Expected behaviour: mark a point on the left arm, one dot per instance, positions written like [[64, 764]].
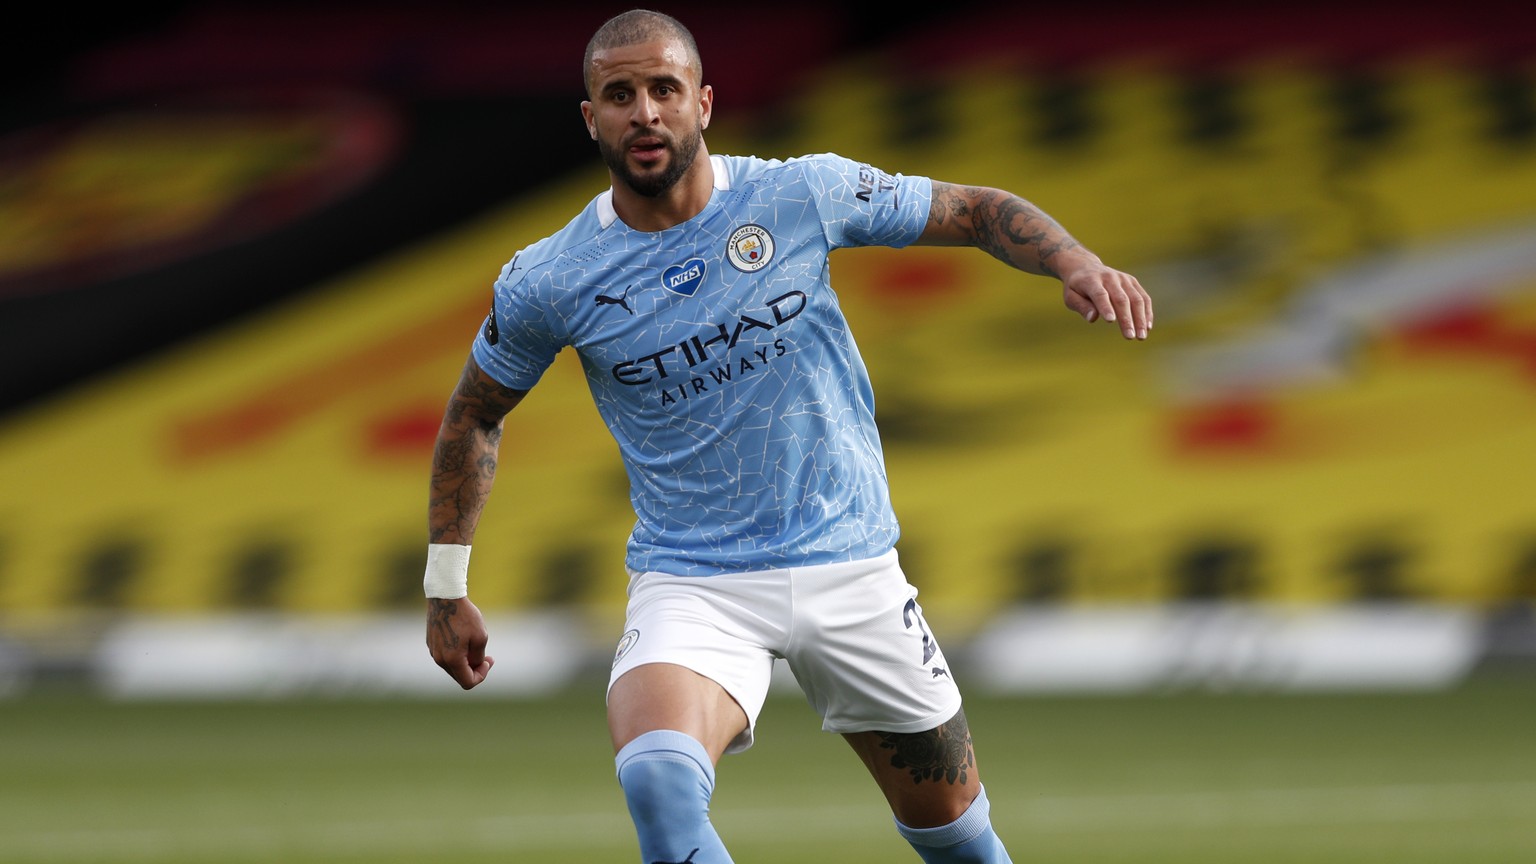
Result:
[[1024, 237]]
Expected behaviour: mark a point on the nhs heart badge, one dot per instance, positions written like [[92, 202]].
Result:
[[684, 278]]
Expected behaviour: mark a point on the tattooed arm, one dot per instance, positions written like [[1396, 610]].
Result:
[[1023, 236], [463, 468]]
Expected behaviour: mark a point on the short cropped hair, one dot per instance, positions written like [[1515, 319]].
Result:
[[635, 26]]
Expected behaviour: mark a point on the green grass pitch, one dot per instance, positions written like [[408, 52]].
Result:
[[1189, 778]]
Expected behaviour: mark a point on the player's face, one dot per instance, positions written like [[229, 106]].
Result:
[[647, 113]]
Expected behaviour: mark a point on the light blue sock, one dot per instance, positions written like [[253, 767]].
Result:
[[967, 840], [668, 780]]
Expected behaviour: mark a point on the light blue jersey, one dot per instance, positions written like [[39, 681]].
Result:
[[721, 362]]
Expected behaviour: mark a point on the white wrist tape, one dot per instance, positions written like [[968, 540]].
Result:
[[447, 571]]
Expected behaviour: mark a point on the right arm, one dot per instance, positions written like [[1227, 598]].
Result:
[[1024, 237], [463, 469]]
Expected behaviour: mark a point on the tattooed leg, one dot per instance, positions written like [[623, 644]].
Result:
[[929, 778], [942, 754], [931, 781]]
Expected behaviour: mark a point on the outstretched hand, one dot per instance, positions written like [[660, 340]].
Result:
[[1098, 291], [457, 639]]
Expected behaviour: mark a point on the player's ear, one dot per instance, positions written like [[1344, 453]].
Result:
[[706, 105], [586, 117]]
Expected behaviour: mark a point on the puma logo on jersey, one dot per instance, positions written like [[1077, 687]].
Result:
[[622, 301]]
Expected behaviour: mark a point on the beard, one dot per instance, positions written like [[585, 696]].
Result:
[[653, 185]]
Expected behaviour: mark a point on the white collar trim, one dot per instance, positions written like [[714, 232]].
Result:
[[606, 215]]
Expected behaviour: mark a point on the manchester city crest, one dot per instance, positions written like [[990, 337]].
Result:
[[750, 248]]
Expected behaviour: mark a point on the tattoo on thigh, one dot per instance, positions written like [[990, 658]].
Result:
[[943, 753]]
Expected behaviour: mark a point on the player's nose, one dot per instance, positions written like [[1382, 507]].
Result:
[[644, 111]]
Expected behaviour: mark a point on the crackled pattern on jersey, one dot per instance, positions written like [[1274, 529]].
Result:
[[718, 356]]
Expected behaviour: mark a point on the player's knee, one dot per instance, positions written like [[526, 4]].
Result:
[[659, 787], [665, 776], [940, 806], [968, 839]]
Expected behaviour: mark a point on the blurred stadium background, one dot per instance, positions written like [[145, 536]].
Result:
[[245, 247]]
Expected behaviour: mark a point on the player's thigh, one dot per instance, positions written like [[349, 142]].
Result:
[[694, 657], [929, 778], [668, 696]]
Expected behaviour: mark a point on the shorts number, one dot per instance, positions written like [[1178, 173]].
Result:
[[908, 616]]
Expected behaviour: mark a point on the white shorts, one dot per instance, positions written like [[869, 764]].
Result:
[[852, 634]]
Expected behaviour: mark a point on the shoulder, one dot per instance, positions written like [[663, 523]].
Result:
[[749, 167], [737, 172], [814, 171], [556, 251]]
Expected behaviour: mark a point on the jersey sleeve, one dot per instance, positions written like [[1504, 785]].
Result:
[[519, 339], [861, 205]]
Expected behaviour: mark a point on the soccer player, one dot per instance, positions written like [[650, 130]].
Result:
[[695, 292]]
